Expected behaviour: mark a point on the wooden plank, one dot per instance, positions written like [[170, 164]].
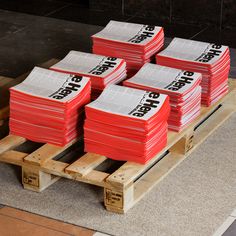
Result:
[[45, 153], [94, 177], [13, 157], [10, 142], [58, 168], [85, 164], [128, 172]]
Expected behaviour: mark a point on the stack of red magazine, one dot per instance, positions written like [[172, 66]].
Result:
[[48, 106], [101, 70], [212, 60], [127, 124], [183, 88], [135, 43]]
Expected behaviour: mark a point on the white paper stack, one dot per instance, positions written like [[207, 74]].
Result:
[[183, 88], [127, 124], [212, 60], [48, 106], [135, 43], [100, 69]]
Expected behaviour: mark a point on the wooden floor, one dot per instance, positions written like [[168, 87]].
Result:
[[15, 222]]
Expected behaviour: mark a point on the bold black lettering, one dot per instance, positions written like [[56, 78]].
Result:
[[154, 95], [58, 97], [216, 46], [150, 28], [188, 73], [185, 79], [137, 114], [147, 34], [77, 79], [109, 64], [111, 58], [214, 52], [145, 109], [65, 92], [73, 86], [173, 88], [203, 60], [96, 73], [151, 103]]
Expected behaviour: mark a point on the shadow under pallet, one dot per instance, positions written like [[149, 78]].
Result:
[[124, 183]]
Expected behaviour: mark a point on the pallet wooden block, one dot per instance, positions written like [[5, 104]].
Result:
[[125, 186]]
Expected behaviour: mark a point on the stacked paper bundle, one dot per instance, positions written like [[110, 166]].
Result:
[[101, 70], [212, 60], [48, 106], [183, 88], [127, 124], [135, 43]]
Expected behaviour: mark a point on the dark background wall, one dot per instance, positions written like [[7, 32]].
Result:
[[219, 13], [206, 20]]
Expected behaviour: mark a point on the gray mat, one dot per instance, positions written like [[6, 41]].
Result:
[[194, 199]]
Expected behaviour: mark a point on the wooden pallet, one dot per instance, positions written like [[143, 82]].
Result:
[[6, 83], [129, 182]]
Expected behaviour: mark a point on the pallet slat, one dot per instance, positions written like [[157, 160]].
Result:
[[85, 164], [45, 153], [58, 168], [13, 157], [10, 142]]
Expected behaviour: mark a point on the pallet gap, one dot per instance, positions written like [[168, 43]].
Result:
[[28, 146], [4, 129], [151, 166], [109, 166], [208, 116], [71, 154]]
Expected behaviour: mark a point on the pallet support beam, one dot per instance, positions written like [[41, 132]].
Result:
[[37, 180], [119, 201]]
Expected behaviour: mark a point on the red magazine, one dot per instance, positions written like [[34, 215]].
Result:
[[127, 124], [136, 43], [101, 70], [211, 60], [48, 106], [182, 87]]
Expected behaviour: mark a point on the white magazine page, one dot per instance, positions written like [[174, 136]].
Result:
[[128, 102], [165, 78], [190, 50], [52, 85], [87, 63], [128, 32]]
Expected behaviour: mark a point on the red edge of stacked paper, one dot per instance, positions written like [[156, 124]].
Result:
[[211, 60], [136, 43], [48, 106], [183, 88], [100, 69], [127, 124]]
